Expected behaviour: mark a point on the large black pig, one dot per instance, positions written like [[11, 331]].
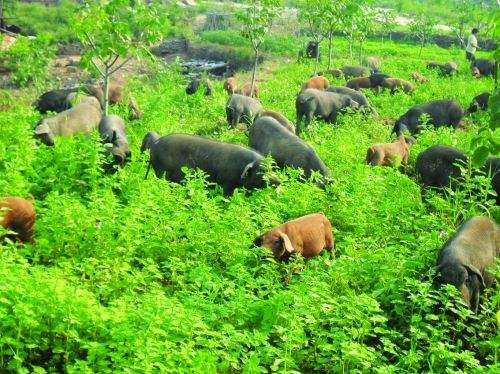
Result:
[[229, 165]]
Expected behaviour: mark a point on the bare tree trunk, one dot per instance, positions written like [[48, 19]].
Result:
[[1, 14], [317, 60], [497, 67], [254, 71], [360, 54], [330, 49], [460, 39], [350, 49], [461, 35], [105, 89]]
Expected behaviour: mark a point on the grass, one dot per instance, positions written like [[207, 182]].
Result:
[[149, 275], [35, 19]]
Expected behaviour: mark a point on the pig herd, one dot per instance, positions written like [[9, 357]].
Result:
[[463, 259]]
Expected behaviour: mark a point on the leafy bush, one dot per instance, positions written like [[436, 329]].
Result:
[[281, 45], [38, 19], [28, 59]]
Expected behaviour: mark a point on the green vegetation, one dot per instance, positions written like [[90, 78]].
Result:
[[256, 21], [27, 60], [37, 18], [148, 275], [114, 33], [447, 12]]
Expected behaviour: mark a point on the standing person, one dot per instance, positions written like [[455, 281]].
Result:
[[471, 46]]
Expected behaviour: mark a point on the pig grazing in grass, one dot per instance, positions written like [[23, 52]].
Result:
[[479, 102], [17, 215], [307, 235], [113, 133], [466, 255], [318, 82], [323, 104], [359, 83], [390, 154], [240, 108], [440, 113], [437, 166], [269, 137], [82, 118], [229, 165]]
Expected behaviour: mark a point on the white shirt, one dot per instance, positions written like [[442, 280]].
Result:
[[471, 44]]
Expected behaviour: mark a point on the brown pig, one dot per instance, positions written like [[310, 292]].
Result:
[[307, 235], [18, 215], [358, 83], [285, 122], [417, 77], [230, 85], [335, 73], [318, 82], [388, 154], [395, 84], [246, 90]]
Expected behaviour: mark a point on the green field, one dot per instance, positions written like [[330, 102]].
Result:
[[134, 275]]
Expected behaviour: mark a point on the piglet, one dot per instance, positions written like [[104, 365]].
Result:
[[318, 82], [387, 154], [307, 235], [17, 215]]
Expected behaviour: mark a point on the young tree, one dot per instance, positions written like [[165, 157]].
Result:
[[387, 19], [357, 23], [256, 22], [349, 23], [364, 19], [113, 32], [311, 14], [422, 27], [463, 17], [332, 15]]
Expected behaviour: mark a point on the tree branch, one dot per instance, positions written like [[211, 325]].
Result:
[[106, 63], [89, 38], [120, 66], [97, 67], [114, 60]]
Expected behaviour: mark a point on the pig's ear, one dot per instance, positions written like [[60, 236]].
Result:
[[246, 170], [42, 128], [471, 269], [287, 244]]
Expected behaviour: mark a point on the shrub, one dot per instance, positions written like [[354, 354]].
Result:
[[28, 59]]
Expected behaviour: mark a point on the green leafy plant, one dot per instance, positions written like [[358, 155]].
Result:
[[256, 23], [332, 14], [422, 27], [27, 59], [148, 275], [115, 31], [387, 22]]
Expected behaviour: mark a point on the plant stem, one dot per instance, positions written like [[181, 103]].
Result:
[[330, 49], [105, 89], [254, 71]]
